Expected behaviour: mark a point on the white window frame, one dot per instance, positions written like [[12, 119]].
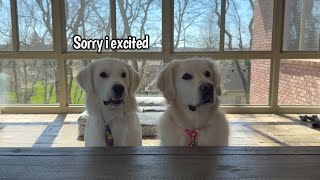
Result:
[[61, 54]]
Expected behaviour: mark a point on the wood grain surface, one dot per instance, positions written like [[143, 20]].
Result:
[[161, 162]]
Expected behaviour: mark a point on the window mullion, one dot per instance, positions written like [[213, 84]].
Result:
[[222, 25], [167, 29], [60, 47], [15, 26], [278, 18], [113, 14], [59, 26]]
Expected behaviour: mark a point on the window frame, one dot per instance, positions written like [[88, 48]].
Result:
[[61, 55]]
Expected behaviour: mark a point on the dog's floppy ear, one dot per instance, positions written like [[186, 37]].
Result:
[[165, 82], [216, 76], [134, 80], [84, 79]]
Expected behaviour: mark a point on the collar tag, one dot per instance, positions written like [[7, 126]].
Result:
[[192, 133], [108, 135]]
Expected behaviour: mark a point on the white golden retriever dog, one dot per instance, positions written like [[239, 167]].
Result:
[[110, 85], [193, 118]]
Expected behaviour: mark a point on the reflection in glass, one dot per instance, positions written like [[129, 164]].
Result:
[[302, 25]]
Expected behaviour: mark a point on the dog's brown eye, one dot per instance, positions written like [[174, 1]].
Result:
[[207, 74], [123, 75], [187, 76], [103, 75]]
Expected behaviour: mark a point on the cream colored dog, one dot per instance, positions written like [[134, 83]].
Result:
[[110, 85], [192, 87]]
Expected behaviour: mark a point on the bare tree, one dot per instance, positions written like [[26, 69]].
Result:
[[134, 15], [187, 14], [247, 64], [39, 39], [129, 11], [5, 30], [245, 81], [23, 81], [85, 19]]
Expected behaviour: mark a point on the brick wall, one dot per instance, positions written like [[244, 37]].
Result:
[[299, 82], [259, 85], [261, 40]]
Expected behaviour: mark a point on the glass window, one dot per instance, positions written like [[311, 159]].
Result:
[[299, 82], [27, 81], [196, 25], [140, 18], [245, 81], [35, 25], [248, 25], [88, 18], [5, 26], [302, 25], [76, 95]]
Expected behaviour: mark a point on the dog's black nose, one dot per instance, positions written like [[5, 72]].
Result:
[[118, 89], [206, 88]]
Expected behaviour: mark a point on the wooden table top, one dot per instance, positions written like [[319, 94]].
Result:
[[161, 162]]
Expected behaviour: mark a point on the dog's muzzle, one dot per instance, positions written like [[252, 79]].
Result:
[[117, 99], [206, 93]]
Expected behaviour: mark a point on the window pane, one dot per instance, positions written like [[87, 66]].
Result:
[[245, 81], [35, 25], [26, 81], [76, 95], [147, 69], [5, 26], [140, 18], [249, 25], [196, 25], [299, 82], [88, 18], [302, 25]]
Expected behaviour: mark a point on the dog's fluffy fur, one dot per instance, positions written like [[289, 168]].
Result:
[[180, 94], [121, 118]]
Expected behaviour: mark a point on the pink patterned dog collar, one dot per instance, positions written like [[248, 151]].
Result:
[[192, 133]]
